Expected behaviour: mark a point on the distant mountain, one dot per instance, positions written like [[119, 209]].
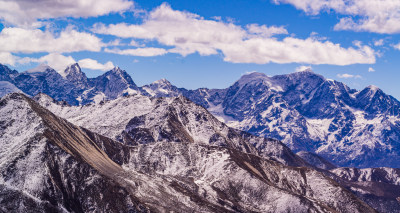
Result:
[[71, 85], [310, 113], [51, 165]]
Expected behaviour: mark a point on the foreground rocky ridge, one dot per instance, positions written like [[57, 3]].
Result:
[[62, 167]]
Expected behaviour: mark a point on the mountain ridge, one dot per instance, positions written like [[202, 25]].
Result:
[[303, 109]]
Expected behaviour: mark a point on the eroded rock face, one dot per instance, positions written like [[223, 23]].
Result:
[[63, 167]]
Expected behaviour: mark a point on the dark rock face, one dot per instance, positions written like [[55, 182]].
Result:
[[6, 74], [78, 78]]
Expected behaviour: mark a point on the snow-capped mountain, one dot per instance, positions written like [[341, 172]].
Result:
[[310, 113], [71, 85], [161, 88], [49, 164]]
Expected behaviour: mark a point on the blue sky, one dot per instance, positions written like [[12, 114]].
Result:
[[208, 43]]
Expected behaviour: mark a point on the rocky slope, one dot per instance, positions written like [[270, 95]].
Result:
[[49, 164]]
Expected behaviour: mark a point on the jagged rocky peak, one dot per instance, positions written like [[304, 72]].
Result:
[[120, 74], [74, 74], [6, 74], [73, 69], [117, 70]]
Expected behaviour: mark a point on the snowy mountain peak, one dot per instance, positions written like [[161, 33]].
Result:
[[39, 69], [253, 77], [370, 91], [161, 82], [117, 70], [373, 88], [73, 69]]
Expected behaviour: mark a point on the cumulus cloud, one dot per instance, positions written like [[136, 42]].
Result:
[[188, 33], [145, 52], [380, 16], [27, 12], [92, 64], [345, 75], [19, 40], [370, 69], [8, 58]]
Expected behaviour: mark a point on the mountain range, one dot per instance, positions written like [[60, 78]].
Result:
[[117, 147], [303, 109]]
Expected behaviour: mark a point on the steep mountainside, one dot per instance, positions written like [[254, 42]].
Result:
[[49, 164]]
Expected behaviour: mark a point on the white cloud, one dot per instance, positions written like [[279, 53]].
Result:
[[303, 68], [265, 31], [27, 12], [19, 40], [8, 58], [379, 42], [145, 52], [397, 46], [345, 75], [56, 61], [379, 16], [370, 69], [189, 33], [92, 64]]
